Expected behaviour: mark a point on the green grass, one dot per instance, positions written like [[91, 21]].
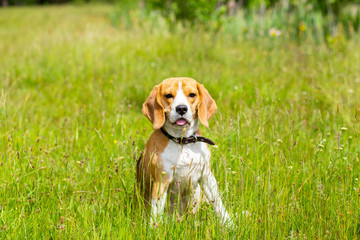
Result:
[[72, 82]]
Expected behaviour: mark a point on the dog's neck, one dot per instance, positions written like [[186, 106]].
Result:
[[178, 132]]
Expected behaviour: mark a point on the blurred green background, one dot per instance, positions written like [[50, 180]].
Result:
[[324, 14]]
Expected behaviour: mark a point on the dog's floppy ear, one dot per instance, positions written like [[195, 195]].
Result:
[[207, 105], [153, 109]]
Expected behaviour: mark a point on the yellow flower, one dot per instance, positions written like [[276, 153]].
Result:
[[115, 141], [302, 27]]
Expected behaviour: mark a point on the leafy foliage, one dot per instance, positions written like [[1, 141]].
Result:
[[191, 10]]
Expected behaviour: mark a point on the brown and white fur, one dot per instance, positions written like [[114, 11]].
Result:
[[168, 169]]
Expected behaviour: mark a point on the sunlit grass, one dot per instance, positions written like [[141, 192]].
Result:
[[71, 127]]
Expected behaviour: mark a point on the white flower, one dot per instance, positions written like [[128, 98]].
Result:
[[273, 32]]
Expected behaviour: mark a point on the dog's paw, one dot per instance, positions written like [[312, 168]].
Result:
[[229, 223]]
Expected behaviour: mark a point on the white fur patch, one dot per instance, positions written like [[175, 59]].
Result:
[[188, 160], [189, 165], [180, 99], [157, 208]]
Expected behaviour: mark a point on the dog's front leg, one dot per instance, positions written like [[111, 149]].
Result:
[[157, 208], [158, 199], [210, 187]]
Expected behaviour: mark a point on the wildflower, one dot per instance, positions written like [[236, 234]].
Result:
[[115, 141], [273, 32], [343, 129], [302, 27]]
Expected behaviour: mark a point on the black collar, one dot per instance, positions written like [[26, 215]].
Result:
[[191, 139]]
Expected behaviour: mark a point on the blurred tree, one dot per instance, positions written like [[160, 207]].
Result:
[[193, 10], [4, 3], [190, 10]]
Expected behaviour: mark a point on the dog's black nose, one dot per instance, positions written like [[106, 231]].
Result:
[[181, 109]]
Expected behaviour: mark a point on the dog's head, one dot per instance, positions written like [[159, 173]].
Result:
[[179, 103]]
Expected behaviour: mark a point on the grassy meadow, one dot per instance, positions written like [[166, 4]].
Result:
[[72, 83]]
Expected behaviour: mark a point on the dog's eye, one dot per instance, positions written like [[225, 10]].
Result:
[[169, 95], [192, 95]]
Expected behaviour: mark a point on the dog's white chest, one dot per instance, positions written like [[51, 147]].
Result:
[[185, 162]]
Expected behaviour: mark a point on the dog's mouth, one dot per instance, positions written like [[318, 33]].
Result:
[[180, 122]]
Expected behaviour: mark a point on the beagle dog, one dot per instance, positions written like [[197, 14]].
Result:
[[175, 163]]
